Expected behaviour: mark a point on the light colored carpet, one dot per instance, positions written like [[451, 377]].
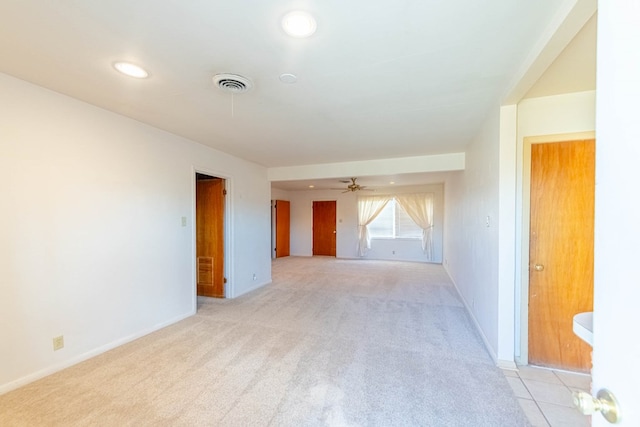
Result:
[[329, 343]]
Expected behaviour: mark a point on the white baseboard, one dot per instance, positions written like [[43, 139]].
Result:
[[507, 364], [253, 288], [487, 345], [5, 388]]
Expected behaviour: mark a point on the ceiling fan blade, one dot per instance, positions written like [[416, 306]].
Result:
[[351, 188]]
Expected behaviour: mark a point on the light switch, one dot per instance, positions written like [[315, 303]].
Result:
[[184, 221]]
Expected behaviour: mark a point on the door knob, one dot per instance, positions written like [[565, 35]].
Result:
[[605, 403], [538, 267]]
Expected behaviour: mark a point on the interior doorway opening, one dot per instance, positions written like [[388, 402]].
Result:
[[210, 233], [280, 228], [560, 251], [555, 284]]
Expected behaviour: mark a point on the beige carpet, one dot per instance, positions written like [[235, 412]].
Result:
[[329, 343]]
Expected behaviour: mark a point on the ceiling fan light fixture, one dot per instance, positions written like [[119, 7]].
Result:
[[299, 24]]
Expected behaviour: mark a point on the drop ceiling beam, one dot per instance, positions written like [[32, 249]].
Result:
[[403, 165]]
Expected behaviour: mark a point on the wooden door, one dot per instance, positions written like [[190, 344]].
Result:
[[283, 237], [210, 193], [560, 251], [324, 228]]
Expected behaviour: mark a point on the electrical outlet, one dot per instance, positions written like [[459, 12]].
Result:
[[58, 342], [254, 276], [393, 252], [184, 221]]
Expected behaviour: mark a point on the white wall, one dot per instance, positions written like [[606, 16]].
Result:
[[277, 194], [470, 246], [347, 225], [559, 114], [91, 241]]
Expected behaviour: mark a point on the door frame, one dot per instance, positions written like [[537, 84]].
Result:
[[522, 290], [229, 291]]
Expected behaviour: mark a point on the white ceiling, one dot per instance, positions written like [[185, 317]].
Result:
[[379, 79], [574, 70]]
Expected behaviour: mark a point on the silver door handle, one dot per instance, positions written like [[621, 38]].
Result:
[[605, 403]]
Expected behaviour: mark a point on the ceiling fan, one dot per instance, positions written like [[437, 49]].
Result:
[[353, 187]]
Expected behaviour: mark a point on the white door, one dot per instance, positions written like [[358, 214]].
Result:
[[616, 352]]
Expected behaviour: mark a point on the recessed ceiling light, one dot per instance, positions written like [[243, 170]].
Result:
[[299, 24], [392, 182], [312, 186], [131, 70], [288, 78]]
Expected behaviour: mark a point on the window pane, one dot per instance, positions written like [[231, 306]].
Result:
[[382, 226], [405, 227]]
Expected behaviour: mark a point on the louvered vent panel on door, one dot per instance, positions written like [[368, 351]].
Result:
[[205, 270]]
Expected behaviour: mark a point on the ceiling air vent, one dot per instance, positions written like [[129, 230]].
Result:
[[232, 83]]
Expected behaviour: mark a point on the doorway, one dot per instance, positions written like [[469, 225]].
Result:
[[282, 240], [210, 231], [561, 232], [324, 228]]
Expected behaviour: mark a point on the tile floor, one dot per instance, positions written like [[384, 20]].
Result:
[[545, 395]]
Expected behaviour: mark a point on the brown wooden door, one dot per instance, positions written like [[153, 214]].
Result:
[[210, 236], [324, 228], [560, 251], [282, 228]]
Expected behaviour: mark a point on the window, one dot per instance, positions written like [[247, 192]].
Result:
[[394, 223], [404, 216]]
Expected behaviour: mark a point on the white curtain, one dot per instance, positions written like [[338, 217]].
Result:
[[420, 208], [368, 209]]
